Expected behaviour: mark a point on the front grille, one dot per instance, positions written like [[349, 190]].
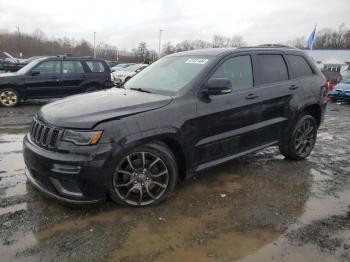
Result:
[[44, 135]]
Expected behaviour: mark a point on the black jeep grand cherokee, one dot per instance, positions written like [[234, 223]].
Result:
[[50, 77], [187, 112]]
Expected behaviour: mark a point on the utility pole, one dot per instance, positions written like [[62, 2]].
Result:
[[160, 39], [94, 44], [19, 41]]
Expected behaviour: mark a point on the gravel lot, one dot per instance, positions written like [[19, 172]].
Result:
[[256, 208]]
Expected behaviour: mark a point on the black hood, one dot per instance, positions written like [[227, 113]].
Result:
[[85, 111], [8, 76]]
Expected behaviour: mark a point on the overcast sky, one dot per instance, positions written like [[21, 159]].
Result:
[[126, 23]]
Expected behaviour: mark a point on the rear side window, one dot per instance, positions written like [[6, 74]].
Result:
[[96, 66], [299, 66], [238, 70], [273, 68], [72, 67]]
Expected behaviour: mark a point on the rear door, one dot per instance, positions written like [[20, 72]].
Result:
[[274, 91], [73, 77], [99, 73], [46, 81]]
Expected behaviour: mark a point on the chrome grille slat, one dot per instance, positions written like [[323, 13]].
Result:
[[44, 135]]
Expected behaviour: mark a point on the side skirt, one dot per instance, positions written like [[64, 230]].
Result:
[[228, 158]]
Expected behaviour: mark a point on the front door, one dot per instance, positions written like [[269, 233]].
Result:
[[44, 80]]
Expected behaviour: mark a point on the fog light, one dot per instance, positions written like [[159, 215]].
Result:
[[66, 169]]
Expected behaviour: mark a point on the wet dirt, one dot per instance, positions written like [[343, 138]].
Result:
[[260, 207]]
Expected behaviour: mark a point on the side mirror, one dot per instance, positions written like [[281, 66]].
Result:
[[217, 86], [35, 73]]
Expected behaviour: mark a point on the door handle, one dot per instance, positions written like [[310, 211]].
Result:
[[251, 96], [293, 87]]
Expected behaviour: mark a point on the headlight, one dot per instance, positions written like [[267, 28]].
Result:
[[82, 138]]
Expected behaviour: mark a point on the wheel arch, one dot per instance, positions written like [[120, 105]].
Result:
[[172, 141], [315, 111]]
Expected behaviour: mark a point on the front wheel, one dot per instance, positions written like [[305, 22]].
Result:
[[145, 176], [9, 97], [302, 139]]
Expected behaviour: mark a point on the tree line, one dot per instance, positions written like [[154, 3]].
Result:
[[37, 43], [326, 38]]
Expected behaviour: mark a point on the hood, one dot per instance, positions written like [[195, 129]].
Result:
[[7, 75], [8, 78], [86, 110], [342, 86]]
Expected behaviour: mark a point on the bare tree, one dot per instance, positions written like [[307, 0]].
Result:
[[237, 41]]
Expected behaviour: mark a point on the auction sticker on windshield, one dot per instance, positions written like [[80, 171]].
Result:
[[200, 61]]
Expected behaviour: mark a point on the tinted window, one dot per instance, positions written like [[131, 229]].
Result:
[[299, 66], [49, 67], [273, 68], [96, 66], [72, 67], [238, 70]]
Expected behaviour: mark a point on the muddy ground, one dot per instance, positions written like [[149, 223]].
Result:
[[257, 208]]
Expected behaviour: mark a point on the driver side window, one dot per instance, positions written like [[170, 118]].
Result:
[[49, 68], [238, 70]]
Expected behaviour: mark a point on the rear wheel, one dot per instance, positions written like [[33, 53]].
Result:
[[9, 97], [302, 139], [145, 176]]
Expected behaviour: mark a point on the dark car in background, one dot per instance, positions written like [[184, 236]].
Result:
[[52, 77], [183, 114]]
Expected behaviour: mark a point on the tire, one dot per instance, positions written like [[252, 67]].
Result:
[[91, 89], [9, 97], [144, 176], [301, 141]]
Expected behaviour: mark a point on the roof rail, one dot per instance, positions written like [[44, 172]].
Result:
[[270, 46]]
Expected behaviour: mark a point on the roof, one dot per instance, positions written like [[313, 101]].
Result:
[[341, 56], [218, 51]]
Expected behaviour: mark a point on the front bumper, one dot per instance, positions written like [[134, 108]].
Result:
[[70, 177]]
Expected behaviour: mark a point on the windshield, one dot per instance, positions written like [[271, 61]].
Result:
[[29, 66], [168, 74]]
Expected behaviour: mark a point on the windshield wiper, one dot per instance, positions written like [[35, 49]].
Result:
[[140, 89]]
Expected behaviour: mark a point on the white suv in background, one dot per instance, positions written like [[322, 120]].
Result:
[[123, 75]]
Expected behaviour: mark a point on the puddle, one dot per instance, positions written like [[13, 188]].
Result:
[[12, 178]]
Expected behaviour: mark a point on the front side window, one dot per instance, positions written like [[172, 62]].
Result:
[[238, 70], [72, 67], [299, 66], [49, 68], [273, 68], [96, 66], [169, 74]]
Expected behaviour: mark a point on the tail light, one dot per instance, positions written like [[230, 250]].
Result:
[[326, 86]]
